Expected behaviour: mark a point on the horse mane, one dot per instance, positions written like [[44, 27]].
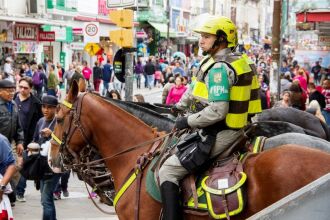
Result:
[[150, 117]]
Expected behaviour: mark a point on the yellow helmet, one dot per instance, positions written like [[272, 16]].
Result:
[[215, 24]]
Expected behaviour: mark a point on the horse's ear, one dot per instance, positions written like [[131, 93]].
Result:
[[73, 92], [82, 85]]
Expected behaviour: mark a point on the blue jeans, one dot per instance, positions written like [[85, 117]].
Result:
[[21, 186], [47, 187], [150, 80], [105, 88], [326, 115], [62, 185]]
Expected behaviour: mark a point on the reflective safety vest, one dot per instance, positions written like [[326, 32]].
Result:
[[244, 97]]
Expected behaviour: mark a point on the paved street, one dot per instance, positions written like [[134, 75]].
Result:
[[76, 206]]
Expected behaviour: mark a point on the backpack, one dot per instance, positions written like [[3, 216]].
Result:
[[36, 79]]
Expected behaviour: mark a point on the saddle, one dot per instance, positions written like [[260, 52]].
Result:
[[218, 192]]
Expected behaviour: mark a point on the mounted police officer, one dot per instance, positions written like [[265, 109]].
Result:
[[224, 93]]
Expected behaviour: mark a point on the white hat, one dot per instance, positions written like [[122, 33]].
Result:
[[9, 59]]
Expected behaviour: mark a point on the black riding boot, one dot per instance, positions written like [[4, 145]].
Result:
[[171, 201]]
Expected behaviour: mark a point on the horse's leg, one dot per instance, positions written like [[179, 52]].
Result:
[[278, 172]]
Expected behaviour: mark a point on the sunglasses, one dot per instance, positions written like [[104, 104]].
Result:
[[24, 87]]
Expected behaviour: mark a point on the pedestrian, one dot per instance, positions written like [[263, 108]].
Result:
[[138, 98], [7, 171], [285, 102], [52, 81], [42, 136], [298, 96], [62, 186], [8, 70], [178, 69], [158, 78], [68, 76], [106, 76], [176, 92], [316, 70], [10, 125], [29, 112], [149, 70], [218, 39], [37, 80], [326, 93], [167, 88], [77, 75], [314, 94], [138, 70], [86, 72], [301, 78], [315, 109], [97, 76], [285, 81], [113, 94]]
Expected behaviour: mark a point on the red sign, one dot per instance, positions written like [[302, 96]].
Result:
[[77, 31], [26, 32], [46, 36]]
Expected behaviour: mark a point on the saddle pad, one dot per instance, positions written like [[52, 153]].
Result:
[[151, 185]]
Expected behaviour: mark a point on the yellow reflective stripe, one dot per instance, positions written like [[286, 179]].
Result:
[[191, 203], [123, 189], [247, 59], [236, 121], [200, 90], [231, 213], [193, 79], [255, 106], [255, 83], [227, 191], [55, 138], [240, 93], [241, 66], [206, 65], [67, 104], [256, 145]]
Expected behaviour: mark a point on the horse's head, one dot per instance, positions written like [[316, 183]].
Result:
[[66, 139]]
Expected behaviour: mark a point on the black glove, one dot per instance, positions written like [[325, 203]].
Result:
[[181, 123]]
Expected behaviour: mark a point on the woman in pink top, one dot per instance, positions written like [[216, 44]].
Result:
[[86, 71], [176, 91], [301, 78]]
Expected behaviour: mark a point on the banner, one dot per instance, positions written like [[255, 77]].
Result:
[[25, 47]]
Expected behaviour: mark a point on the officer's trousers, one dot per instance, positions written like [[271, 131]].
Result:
[[173, 171]]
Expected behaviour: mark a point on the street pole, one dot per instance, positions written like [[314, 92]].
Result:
[[129, 76], [168, 29], [276, 38]]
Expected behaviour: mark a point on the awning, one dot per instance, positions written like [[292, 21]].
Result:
[[313, 16], [32, 20], [162, 28]]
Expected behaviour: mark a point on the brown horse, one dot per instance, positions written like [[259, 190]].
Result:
[[272, 174]]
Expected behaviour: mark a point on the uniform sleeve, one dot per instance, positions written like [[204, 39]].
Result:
[[216, 110]]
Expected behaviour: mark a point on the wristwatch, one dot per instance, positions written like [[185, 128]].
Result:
[[2, 187]]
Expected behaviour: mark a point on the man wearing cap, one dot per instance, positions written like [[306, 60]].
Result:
[[10, 125], [42, 135], [8, 69]]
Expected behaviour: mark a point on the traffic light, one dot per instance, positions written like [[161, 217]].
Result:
[[123, 36]]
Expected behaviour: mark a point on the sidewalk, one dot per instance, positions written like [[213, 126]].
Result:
[[76, 206]]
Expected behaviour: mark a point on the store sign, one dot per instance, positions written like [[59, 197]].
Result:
[[46, 36], [26, 32], [25, 47], [77, 46], [77, 31], [306, 26]]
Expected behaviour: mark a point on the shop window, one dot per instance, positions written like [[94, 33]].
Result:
[[158, 2]]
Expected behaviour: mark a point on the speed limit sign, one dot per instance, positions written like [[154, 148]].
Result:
[[91, 32]]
